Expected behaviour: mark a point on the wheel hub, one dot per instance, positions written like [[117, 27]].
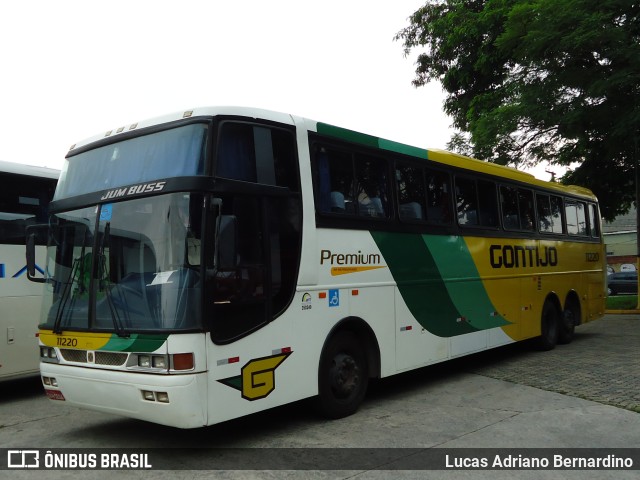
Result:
[[345, 375]]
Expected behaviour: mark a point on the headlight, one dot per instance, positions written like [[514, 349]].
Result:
[[144, 361], [48, 353], [159, 362]]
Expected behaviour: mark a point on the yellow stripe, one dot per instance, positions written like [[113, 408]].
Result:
[[82, 340], [335, 271]]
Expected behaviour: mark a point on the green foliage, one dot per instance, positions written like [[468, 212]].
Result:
[[539, 80], [622, 302]]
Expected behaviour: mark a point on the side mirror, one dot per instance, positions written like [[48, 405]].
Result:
[[33, 232]]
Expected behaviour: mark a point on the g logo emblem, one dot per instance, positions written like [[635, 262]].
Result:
[[258, 377]]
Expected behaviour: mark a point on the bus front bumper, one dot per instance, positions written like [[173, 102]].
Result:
[[173, 400]]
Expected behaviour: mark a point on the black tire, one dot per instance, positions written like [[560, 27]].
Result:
[[549, 326], [570, 318], [611, 292], [343, 376]]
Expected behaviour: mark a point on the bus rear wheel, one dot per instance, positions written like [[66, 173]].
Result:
[[570, 316], [549, 323], [343, 376]]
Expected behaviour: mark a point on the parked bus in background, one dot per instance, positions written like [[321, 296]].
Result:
[[214, 263], [25, 193]]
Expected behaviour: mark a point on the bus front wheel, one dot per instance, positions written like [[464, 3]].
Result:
[[549, 327], [343, 376]]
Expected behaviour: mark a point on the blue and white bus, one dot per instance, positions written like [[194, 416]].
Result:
[[25, 193]]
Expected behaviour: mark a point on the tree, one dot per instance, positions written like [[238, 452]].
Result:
[[539, 80]]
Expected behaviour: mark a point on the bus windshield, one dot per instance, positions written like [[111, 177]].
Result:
[[126, 267], [170, 153]]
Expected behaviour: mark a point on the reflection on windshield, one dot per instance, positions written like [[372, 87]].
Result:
[[126, 267]]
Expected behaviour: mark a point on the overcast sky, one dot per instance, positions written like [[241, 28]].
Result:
[[73, 69]]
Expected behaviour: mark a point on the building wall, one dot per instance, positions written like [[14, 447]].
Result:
[[621, 249]]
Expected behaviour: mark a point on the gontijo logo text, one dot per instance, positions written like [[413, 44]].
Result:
[[516, 256], [350, 262]]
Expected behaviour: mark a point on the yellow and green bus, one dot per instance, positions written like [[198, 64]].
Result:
[[218, 262]]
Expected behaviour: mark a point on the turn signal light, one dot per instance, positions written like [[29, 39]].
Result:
[[182, 361]]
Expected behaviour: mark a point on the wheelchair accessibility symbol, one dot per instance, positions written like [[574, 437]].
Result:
[[334, 298]]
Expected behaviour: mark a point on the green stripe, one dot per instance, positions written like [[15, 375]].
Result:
[[369, 140], [463, 284], [233, 382], [136, 343], [420, 264], [403, 149], [348, 135]]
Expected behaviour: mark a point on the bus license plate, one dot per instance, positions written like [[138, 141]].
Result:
[[55, 394]]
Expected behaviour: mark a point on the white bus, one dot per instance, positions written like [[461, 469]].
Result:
[[25, 193], [214, 263]]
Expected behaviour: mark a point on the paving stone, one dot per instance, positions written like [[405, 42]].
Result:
[[602, 363]]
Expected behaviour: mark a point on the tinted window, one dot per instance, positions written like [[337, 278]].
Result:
[[594, 224], [255, 267], [467, 202], [351, 184], [556, 214], [371, 189], [549, 213], [438, 197], [527, 211], [23, 201], [576, 218], [411, 192], [415, 185], [509, 201], [257, 154], [476, 202], [517, 208]]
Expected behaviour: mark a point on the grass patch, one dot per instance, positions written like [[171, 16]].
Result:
[[622, 302]]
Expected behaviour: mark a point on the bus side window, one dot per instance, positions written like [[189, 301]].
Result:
[[477, 202], [23, 202], [545, 220], [285, 159], [488, 204], [257, 154], [556, 214], [466, 202], [371, 186], [335, 181], [236, 152], [550, 210], [527, 212], [594, 224], [509, 202], [518, 212], [576, 219], [411, 194], [438, 197]]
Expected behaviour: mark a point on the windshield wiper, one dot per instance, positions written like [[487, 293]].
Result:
[[75, 268], [102, 271], [75, 276]]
